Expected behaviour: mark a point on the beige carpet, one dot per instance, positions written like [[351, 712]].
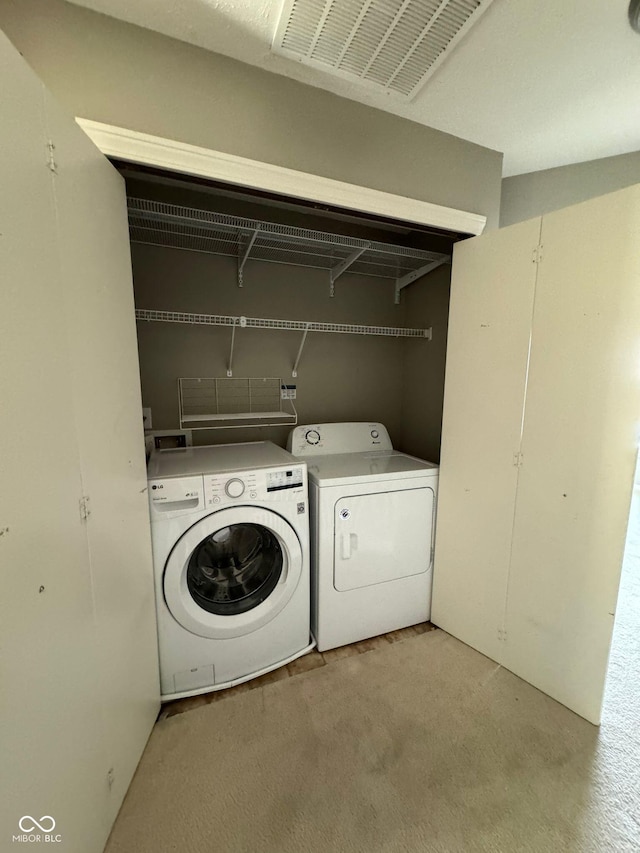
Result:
[[424, 745]]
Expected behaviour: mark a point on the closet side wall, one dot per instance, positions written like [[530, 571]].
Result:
[[113, 72], [341, 377], [426, 305]]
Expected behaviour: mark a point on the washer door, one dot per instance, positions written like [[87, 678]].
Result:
[[232, 572]]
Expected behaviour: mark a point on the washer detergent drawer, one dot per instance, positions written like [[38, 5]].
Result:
[[382, 537]]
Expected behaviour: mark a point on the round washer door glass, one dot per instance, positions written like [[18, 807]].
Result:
[[234, 569]]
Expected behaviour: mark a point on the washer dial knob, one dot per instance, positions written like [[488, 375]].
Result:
[[374, 433], [312, 436], [234, 488]]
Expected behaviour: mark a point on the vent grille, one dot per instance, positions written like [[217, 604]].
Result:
[[393, 45]]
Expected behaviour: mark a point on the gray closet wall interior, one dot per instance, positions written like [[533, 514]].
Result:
[[341, 377]]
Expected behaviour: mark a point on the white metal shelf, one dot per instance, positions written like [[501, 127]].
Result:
[[160, 224], [236, 416], [226, 403], [289, 325], [269, 323]]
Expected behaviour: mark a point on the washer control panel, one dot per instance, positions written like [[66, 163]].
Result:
[[287, 478], [249, 486]]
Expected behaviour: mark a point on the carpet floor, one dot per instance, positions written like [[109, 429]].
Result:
[[420, 746]]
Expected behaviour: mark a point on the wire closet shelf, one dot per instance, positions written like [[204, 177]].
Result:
[[270, 323], [286, 325], [160, 224], [231, 403]]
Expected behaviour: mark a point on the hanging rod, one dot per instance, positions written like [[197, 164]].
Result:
[[290, 325]]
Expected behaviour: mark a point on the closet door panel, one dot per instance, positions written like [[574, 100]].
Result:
[[96, 266], [492, 289], [53, 762], [579, 451]]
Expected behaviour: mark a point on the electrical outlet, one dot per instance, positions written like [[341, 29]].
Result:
[[287, 392], [146, 417]]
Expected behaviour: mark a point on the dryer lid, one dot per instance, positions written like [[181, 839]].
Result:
[[348, 468]]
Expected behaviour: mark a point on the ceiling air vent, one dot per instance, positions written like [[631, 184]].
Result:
[[389, 45]]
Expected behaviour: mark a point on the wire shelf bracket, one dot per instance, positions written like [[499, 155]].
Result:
[[233, 340], [294, 372], [245, 254], [343, 266], [410, 277]]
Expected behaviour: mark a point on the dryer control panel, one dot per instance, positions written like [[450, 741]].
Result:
[[319, 439]]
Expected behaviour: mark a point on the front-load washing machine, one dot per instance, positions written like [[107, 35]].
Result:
[[372, 527], [230, 535]]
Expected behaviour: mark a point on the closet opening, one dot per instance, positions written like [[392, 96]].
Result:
[[243, 294]]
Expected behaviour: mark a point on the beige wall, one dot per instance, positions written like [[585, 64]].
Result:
[[109, 71], [526, 196], [340, 377]]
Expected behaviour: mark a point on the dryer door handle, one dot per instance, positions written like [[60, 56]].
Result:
[[349, 544]]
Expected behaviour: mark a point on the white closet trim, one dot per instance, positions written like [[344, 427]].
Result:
[[181, 157]]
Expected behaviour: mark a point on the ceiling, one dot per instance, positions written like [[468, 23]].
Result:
[[547, 82]]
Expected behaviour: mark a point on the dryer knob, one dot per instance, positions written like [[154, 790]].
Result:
[[234, 488]]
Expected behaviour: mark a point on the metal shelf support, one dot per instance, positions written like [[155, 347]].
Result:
[[343, 266], [294, 372], [245, 255], [233, 339], [415, 274]]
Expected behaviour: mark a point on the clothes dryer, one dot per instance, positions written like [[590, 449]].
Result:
[[372, 531]]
